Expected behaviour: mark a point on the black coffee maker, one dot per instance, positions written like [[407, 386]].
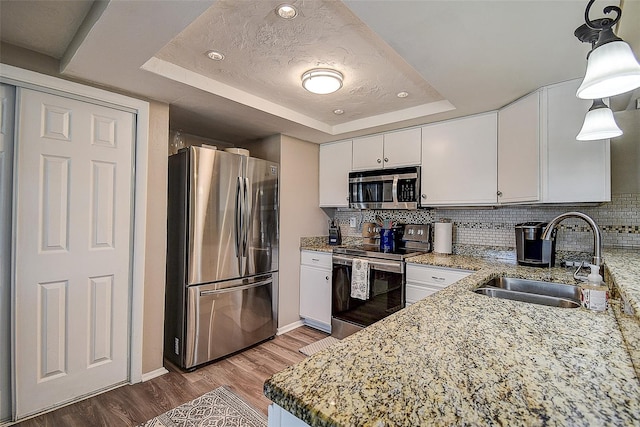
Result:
[[531, 250], [335, 238]]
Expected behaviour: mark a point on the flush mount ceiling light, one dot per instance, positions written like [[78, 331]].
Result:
[[286, 11], [599, 123], [322, 81], [612, 68], [216, 56]]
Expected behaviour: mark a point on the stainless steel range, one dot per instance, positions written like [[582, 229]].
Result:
[[385, 277]]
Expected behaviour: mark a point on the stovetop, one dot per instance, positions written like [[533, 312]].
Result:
[[373, 251]]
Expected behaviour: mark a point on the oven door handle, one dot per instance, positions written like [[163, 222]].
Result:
[[372, 263]]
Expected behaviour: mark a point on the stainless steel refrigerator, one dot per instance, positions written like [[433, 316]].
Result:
[[222, 254]]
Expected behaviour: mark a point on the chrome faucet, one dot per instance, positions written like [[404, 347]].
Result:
[[597, 235]]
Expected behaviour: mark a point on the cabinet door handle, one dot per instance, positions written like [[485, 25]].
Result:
[[499, 193], [379, 161], [326, 278], [437, 278], [386, 159], [424, 196], [315, 259]]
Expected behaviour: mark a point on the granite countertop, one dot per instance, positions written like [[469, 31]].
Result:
[[458, 358]]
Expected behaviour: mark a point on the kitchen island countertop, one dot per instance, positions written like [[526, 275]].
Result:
[[458, 358]]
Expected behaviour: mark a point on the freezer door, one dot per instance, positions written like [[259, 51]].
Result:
[[262, 203], [215, 197], [226, 317]]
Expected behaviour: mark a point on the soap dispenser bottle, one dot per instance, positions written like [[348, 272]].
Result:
[[594, 294]]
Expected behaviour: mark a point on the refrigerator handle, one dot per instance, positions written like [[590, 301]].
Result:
[[247, 217], [238, 219]]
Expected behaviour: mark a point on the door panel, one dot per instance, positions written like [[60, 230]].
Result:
[[53, 227], [72, 262]]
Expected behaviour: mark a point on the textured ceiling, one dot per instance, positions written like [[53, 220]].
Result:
[[42, 26], [266, 55]]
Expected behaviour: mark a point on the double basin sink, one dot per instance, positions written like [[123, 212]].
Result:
[[532, 291]]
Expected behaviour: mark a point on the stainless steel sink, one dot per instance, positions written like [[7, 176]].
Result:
[[532, 291]]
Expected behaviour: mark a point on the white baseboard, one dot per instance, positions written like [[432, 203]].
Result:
[[290, 327], [154, 374]]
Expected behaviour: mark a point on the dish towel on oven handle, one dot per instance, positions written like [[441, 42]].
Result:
[[360, 279]]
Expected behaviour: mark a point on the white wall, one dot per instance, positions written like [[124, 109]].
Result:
[[300, 216], [156, 244]]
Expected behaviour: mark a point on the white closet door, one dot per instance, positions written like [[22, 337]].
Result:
[[73, 244], [7, 102]]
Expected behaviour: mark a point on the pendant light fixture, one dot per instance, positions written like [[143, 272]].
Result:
[[612, 68], [598, 123]]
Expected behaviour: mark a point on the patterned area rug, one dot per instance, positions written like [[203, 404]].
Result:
[[220, 408], [310, 349]]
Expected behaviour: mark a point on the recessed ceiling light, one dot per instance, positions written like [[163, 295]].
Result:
[[286, 11], [338, 111], [322, 81], [216, 56], [403, 94]]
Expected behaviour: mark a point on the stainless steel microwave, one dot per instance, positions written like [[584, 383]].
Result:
[[385, 188]]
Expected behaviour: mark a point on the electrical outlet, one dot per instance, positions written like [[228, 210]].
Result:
[[352, 222]]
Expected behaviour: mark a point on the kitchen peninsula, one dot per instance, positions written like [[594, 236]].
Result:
[[458, 358]]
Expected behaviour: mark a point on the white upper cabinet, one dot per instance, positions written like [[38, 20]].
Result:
[[572, 171], [368, 152], [459, 162], [335, 165], [389, 150], [539, 158], [518, 150], [525, 153], [402, 148]]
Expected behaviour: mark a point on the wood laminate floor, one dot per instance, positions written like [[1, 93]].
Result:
[[130, 405]]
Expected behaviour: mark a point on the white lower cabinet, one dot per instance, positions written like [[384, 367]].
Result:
[[423, 281], [279, 417], [315, 289]]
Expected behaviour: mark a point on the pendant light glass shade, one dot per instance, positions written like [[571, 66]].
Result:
[[598, 123], [612, 69]]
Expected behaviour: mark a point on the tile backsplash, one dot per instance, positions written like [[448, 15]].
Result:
[[619, 221]]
